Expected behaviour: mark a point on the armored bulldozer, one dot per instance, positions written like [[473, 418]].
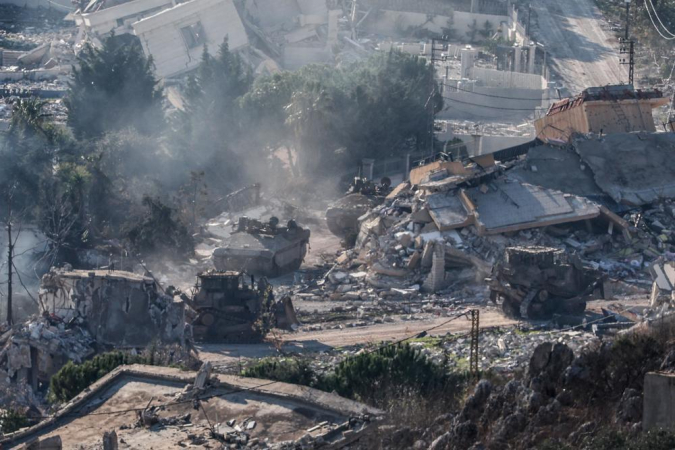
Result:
[[228, 307], [363, 195], [538, 282], [263, 248]]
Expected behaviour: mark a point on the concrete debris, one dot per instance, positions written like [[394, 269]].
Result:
[[110, 440], [626, 177], [203, 376], [50, 443], [32, 352]]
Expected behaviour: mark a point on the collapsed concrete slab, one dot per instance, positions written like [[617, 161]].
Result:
[[118, 308], [632, 168], [559, 168], [663, 287], [508, 205]]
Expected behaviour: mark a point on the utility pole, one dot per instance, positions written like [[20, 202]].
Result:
[[529, 15], [475, 334], [435, 57], [627, 47], [10, 262]]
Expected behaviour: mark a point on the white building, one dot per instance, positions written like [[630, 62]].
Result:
[[176, 37]]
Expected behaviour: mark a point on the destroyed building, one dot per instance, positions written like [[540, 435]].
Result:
[[31, 353], [157, 410], [173, 34], [600, 110], [629, 169], [117, 308], [288, 33]]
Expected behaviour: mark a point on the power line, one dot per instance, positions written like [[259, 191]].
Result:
[[490, 95], [180, 402], [659, 19], [207, 397], [487, 106], [656, 26]]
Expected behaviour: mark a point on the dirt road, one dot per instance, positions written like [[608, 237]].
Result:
[[582, 52], [315, 341]]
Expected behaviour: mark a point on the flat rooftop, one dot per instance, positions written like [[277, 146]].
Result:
[[282, 412]]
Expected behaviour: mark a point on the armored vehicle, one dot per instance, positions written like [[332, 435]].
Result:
[[265, 249], [363, 195], [226, 306], [537, 282]]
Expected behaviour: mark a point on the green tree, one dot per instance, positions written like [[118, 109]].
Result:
[[473, 31], [310, 115], [488, 30], [114, 88], [12, 420], [208, 132]]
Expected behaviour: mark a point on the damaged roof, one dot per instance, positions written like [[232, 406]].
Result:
[[617, 92], [632, 168], [280, 411]]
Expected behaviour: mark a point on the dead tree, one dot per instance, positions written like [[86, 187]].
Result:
[[10, 257]]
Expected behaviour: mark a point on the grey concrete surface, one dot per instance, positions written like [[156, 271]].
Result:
[[582, 52]]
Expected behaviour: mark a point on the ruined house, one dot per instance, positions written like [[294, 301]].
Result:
[[602, 110], [288, 33], [173, 33], [117, 308], [176, 37]]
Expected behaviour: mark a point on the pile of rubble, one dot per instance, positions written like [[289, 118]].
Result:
[[444, 230], [502, 351], [33, 351], [35, 45]]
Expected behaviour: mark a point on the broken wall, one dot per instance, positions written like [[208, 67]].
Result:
[[595, 116], [659, 401], [505, 79], [396, 23], [484, 102], [619, 117], [117, 308]]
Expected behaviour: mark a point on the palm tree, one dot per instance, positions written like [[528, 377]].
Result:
[[28, 117]]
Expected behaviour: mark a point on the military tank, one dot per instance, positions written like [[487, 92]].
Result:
[[538, 282], [228, 306], [264, 249], [363, 195]]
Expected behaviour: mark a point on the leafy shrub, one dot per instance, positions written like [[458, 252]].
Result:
[[294, 371], [380, 378], [373, 377], [12, 420], [74, 378], [620, 440]]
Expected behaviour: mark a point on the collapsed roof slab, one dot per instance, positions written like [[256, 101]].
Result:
[[633, 168], [557, 168], [508, 205], [282, 412], [447, 211]]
